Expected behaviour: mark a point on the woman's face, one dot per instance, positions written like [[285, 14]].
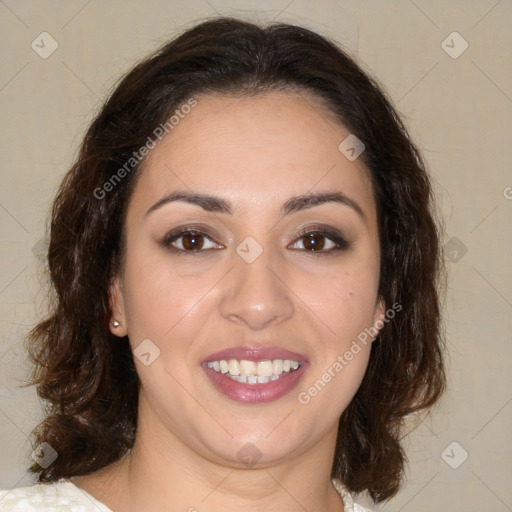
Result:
[[280, 268]]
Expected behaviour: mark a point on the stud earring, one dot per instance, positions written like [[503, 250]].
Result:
[[115, 323]]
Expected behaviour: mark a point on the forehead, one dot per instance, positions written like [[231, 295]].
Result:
[[255, 149]]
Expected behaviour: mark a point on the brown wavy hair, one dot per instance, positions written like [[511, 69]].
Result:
[[86, 377]]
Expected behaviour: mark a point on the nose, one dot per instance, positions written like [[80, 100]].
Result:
[[255, 296]]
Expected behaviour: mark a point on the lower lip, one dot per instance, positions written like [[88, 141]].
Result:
[[255, 393]]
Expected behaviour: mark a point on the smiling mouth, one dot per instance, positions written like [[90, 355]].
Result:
[[254, 372]]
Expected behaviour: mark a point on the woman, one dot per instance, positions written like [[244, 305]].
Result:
[[246, 266]]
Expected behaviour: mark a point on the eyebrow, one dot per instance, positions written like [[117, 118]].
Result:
[[215, 204]]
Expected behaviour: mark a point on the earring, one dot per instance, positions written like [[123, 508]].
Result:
[[115, 323]]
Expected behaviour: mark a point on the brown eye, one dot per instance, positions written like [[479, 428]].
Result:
[[314, 242], [189, 241], [192, 241], [321, 241]]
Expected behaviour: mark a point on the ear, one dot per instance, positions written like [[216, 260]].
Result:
[[117, 309], [379, 316]]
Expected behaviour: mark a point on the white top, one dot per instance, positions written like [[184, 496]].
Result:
[[65, 496]]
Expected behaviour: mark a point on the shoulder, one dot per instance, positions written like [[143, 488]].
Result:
[[348, 501], [360, 508], [61, 496]]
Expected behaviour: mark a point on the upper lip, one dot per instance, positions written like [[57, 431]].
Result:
[[254, 353]]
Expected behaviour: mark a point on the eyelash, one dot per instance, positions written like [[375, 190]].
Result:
[[331, 234]]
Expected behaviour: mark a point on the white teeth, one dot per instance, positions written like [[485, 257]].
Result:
[[247, 368], [254, 372], [277, 366], [265, 368], [234, 367]]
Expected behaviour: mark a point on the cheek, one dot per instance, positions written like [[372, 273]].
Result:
[[162, 304], [343, 298], [345, 303]]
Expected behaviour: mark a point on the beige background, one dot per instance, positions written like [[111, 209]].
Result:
[[459, 110]]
